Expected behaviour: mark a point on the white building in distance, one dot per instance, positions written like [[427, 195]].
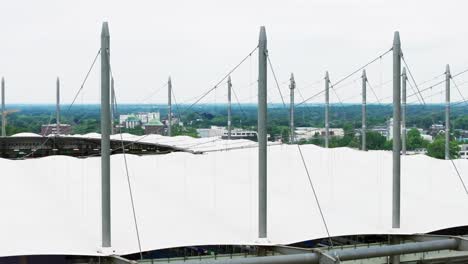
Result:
[[213, 131], [139, 119], [305, 133]]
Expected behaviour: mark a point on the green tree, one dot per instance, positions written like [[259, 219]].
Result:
[[414, 140], [184, 131], [436, 149], [375, 140]]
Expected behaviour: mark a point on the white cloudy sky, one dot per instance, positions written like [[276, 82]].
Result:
[[197, 42]]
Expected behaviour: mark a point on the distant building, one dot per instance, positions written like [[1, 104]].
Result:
[[64, 129], [175, 121], [389, 131], [148, 117], [154, 127], [213, 131], [427, 137], [463, 151], [236, 133], [132, 122], [462, 135], [382, 130], [137, 120], [436, 129], [241, 134], [305, 133], [416, 151]]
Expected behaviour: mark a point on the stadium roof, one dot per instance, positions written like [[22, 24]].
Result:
[[51, 205]]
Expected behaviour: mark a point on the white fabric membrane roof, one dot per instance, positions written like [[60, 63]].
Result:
[[51, 205]]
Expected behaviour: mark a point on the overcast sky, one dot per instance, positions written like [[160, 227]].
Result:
[[198, 42]]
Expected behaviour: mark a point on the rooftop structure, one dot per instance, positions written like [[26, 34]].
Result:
[[28, 145], [434, 199], [154, 127]]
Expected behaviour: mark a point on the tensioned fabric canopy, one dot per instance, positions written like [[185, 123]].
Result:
[[51, 205]]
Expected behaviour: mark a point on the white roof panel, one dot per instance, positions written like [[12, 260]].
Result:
[[52, 205]]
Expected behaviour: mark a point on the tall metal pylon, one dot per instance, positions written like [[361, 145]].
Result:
[[396, 129], [105, 136], [396, 139], [57, 111], [327, 108], [112, 111], [292, 87], [363, 110], [3, 109], [404, 78], [447, 112], [262, 134], [169, 105], [229, 121]]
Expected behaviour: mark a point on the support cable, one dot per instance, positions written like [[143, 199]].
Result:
[[459, 176], [43, 143], [276, 79], [458, 89], [312, 84], [176, 104], [362, 67], [85, 79], [350, 83], [130, 189], [429, 96], [302, 97], [238, 102], [220, 81], [336, 94], [432, 79], [373, 92], [416, 92], [427, 88], [315, 195], [127, 173], [153, 93], [460, 73], [349, 75], [310, 98], [412, 77]]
